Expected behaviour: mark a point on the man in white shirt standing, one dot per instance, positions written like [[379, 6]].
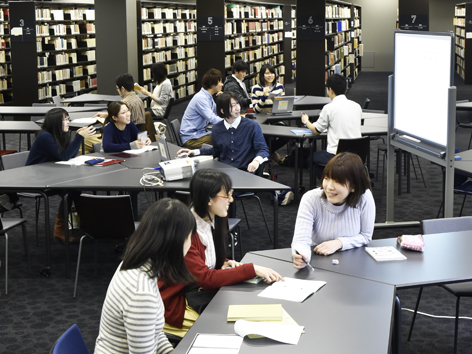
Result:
[[235, 83], [341, 117]]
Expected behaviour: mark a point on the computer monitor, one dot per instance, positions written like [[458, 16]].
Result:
[[163, 147], [282, 104]]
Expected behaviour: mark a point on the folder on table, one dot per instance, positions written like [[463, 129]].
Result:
[[262, 312]]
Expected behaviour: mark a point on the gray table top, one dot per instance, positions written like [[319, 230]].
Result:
[[348, 306], [312, 101], [92, 98], [39, 110], [446, 259], [294, 115], [15, 126], [464, 165]]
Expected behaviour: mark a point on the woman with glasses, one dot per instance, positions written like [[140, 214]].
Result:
[[211, 195], [54, 144], [120, 133]]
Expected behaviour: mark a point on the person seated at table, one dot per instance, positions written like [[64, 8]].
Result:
[[268, 87], [162, 93], [235, 83], [54, 144], [200, 111], [133, 311], [211, 195], [125, 87], [339, 215], [262, 94], [120, 133], [237, 141], [341, 117]]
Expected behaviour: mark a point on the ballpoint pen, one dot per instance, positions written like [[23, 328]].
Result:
[[304, 260]]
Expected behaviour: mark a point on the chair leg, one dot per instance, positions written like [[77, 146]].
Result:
[[456, 324], [25, 241], [245, 215], [231, 236], [462, 206], [240, 242], [470, 141], [263, 216], [377, 167], [78, 266], [421, 171], [37, 207], [6, 263], [384, 160], [414, 314]]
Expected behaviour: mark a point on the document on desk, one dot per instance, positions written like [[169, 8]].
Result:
[[140, 151], [215, 344], [289, 334], [292, 289], [387, 253], [76, 161]]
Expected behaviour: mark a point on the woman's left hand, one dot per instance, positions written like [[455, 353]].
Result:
[[148, 141], [328, 247], [231, 263], [145, 92]]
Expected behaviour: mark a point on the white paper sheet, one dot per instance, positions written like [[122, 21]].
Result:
[[85, 120], [77, 161], [292, 289], [282, 333], [215, 344], [140, 151]]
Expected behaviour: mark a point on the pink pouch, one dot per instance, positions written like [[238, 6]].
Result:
[[411, 242]]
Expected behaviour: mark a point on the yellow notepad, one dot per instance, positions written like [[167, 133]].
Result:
[[263, 312]]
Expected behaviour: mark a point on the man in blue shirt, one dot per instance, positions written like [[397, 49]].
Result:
[[237, 141], [201, 111]]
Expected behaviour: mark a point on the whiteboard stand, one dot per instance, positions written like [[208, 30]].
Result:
[[447, 161]]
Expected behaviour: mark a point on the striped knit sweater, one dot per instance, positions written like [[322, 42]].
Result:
[[133, 315], [318, 220], [261, 103]]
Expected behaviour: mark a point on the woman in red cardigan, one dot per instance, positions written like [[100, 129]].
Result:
[[211, 194]]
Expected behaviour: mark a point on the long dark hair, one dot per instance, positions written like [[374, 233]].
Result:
[[347, 169], [160, 238], [159, 73], [53, 125], [206, 184]]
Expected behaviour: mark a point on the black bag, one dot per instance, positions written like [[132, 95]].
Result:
[[197, 298]]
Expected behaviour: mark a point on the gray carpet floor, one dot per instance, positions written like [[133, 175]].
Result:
[[38, 310]]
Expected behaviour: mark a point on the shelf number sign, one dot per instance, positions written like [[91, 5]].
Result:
[[415, 21], [210, 28], [310, 28]]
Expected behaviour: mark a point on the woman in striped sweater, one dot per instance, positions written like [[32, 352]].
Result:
[[339, 215], [266, 88], [133, 312]]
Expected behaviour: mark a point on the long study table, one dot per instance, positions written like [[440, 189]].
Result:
[[446, 259], [347, 315]]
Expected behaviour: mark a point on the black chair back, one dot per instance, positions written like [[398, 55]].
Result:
[[175, 129], [168, 108], [106, 217], [359, 146]]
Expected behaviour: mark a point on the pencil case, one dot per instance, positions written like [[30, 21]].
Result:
[[94, 161], [411, 242]]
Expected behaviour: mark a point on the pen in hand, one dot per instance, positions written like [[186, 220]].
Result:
[[304, 260]]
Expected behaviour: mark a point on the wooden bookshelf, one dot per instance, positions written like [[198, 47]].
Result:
[[463, 45], [62, 38], [168, 35], [328, 41], [6, 88]]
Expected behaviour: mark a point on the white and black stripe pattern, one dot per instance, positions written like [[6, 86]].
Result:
[[133, 315]]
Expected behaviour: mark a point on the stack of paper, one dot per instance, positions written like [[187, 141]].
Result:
[[292, 289], [387, 253], [262, 312]]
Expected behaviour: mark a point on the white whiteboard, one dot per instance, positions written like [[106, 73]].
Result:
[[422, 76]]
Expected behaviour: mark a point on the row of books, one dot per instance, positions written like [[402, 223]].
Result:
[[64, 30], [4, 84], [166, 13], [459, 21], [236, 27], [46, 14], [5, 56], [460, 31], [249, 41], [56, 59], [4, 43], [336, 26], [460, 61], [335, 41], [184, 91], [169, 41], [460, 51], [252, 55], [254, 66], [190, 75], [337, 11], [5, 69], [156, 57], [459, 11], [4, 14], [460, 41], [65, 74], [246, 11], [461, 71], [4, 29], [168, 27]]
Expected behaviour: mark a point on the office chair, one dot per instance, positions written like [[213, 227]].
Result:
[[234, 231], [19, 160], [71, 342], [104, 217], [166, 113], [359, 146], [464, 120], [6, 224], [434, 226], [57, 100], [175, 130], [366, 104]]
